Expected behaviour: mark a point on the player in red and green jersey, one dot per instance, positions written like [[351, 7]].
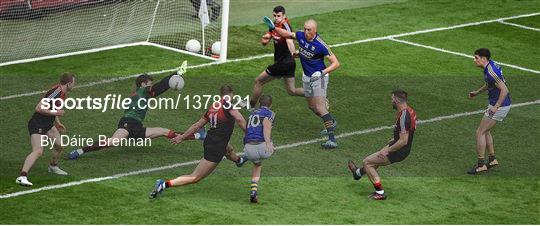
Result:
[[130, 125]]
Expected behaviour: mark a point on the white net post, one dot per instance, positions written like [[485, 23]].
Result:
[[224, 30]]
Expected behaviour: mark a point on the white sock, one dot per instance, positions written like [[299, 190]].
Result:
[[380, 192], [80, 151]]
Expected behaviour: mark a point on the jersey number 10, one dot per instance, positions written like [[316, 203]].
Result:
[[254, 121]]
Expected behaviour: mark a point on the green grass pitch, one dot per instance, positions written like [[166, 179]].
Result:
[[303, 184]]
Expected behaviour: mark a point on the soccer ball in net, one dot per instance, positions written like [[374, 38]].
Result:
[[193, 46], [176, 82], [216, 48]]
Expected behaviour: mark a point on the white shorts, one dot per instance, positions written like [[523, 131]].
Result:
[[256, 152], [316, 88], [499, 115]]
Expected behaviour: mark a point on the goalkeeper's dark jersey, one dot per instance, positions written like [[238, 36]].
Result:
[[134, 110], [141, 96]]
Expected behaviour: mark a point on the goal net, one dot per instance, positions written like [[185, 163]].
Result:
[[32, 30]]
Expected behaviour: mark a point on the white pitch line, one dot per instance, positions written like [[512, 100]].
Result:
[[269, 55], [518, 25], [343, 135], [460, 54]]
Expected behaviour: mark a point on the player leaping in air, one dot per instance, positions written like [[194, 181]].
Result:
[[312, 51], [498, 108], [284, 64], [130, 125], [46, 122], [396, 151], [221, 118]]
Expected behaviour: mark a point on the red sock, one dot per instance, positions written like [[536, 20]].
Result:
[[378, 186], [168, 184], [171, 134]]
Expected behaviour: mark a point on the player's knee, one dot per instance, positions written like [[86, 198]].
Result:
[[480, 131], [290, 91], [37, 151], [196, 179], [366, 162]]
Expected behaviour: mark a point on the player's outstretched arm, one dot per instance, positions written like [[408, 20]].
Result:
[[238, 118], [160, 87], [192, 129], [285, 34]]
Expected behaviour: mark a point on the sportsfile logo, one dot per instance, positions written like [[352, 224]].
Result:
[[118, 102]]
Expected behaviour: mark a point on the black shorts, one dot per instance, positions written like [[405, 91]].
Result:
[[134, 127], [285, 68], [36, 126], [399, 155], [215, 152]]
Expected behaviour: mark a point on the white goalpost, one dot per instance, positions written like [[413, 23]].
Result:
[[33, 30]]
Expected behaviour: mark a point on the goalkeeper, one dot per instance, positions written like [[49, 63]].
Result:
[[130, 125], [312, 51]]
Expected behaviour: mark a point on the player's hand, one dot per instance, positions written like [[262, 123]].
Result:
[[269, 147], [295, 54], [315, 76], [383, 153], [61, 128], [60, 112], [182, 69], [177, 139], [473, 94], [265, 39], [493, 110], [269, 23]]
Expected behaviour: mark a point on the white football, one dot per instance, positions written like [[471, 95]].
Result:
[[216, 48], [176, 82], [193, 46]]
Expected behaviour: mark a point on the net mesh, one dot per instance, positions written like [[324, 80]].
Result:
[[30, 29]]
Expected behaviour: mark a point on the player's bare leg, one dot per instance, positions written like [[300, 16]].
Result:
[[120, 133], [231, 155], [371, 163], [156, 132], [57, 148], [260, 81], [37, 151], [56, 153], [492, 161], [318, 105], [255, 177], [481, 143], [291, 89], [203, 169]]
